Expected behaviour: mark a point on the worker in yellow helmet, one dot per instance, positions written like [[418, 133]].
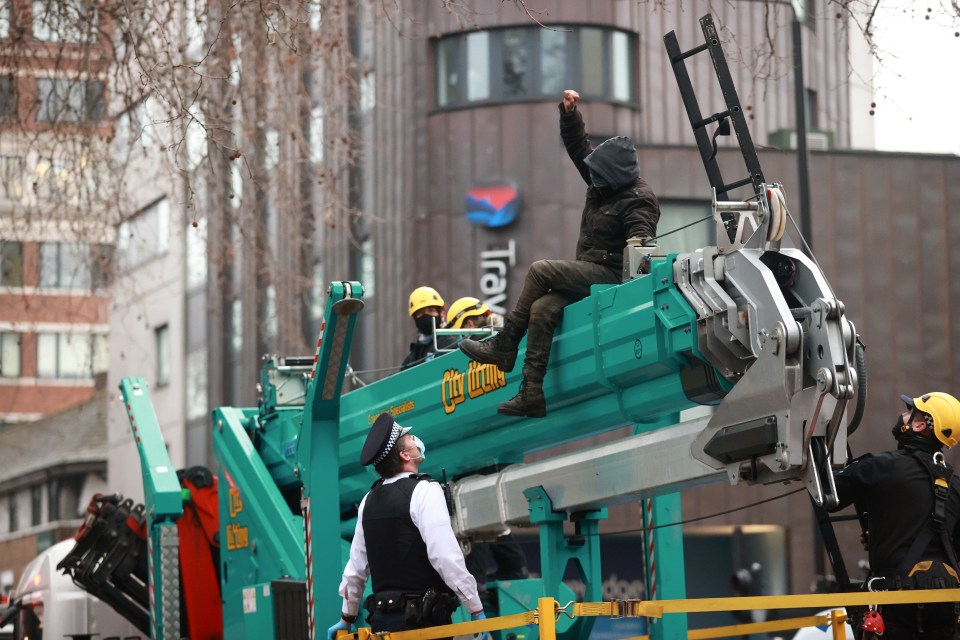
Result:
[[910, 499], [468, 313], [427, 309]]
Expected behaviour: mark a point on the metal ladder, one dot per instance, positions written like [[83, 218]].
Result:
[[733, 112]]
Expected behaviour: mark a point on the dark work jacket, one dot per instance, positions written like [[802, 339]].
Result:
[[424, 352], [610, 217], [396, 552], [896, 492], [419, 352]]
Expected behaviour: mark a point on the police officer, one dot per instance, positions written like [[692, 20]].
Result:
[[404, 543], [619, 205], [426, 308], [912, 504]]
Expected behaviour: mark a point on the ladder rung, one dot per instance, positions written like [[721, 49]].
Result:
[[714, 118], [692, 52], [735, 185]]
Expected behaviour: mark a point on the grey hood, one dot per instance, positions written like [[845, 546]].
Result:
[[613, 164]]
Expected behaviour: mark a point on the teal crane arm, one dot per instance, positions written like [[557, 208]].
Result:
[[164, 503]]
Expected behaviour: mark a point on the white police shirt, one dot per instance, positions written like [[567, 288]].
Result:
[[428, 510]]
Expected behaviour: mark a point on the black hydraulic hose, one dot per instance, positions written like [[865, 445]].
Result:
[[861, 387]]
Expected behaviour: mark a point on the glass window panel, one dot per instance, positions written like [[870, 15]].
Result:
[[674, 215], [46, 355], [9, 355], [197, 253], [93, 101], [144, 236], [47, 100], [53, 499], [101, 359], [515, 67], [76, 262], [64, 21], [162, 338], [620, 66], [591, 61], [8, 97], [196, 379], [448, 77], [478, 66], [5, 19], [49, 264], [75, 355], [11, 264], [553, 61], [36, 505], [51, 178], [11, 177]]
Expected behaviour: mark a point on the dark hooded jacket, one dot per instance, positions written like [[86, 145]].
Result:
[[619, 203]]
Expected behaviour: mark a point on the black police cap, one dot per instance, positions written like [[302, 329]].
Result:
[[383, 435]]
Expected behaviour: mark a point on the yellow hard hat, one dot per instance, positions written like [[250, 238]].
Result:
[[424, 297], [464, 308], [945, 411]]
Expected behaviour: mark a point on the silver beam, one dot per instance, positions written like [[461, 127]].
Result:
[[622, 471]]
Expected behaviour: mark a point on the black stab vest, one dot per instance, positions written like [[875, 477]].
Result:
[[396, 552]]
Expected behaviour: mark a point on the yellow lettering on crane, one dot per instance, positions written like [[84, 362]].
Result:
[[452, 390], [238, 537], [236, 502], [484, 378], [394, 410]]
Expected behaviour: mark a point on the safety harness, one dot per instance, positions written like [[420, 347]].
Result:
[[912, 573], [940, 474]]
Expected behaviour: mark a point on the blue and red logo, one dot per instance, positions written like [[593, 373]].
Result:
[[493, 205]]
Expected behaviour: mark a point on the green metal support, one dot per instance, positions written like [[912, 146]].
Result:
[[164, 505], [666, 560], [317, 451], [557, 550]]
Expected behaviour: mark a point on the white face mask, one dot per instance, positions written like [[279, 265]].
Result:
[[418, 443]]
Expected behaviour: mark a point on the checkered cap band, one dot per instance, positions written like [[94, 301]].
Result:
[[395, 432]]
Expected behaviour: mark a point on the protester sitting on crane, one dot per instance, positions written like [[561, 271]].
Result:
[[619, 206], [403, 542], [426, 307], [910, 499]]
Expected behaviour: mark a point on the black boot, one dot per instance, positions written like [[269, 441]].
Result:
[[500, 350], [529, 403]]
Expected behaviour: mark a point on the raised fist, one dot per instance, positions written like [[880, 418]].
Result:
[[570, 100]]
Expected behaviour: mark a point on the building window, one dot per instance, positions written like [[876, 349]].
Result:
[[11, 177], [53, 499], [36, 505], [70, 355], [68, 100], [813, 109], [524, 63], [5, 19], [674, 216], [12, 515], [64, 21], [196, 379], [145, 236], [161, 337], [8, 97], [9, 355], [11, 264], [67, 266]]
